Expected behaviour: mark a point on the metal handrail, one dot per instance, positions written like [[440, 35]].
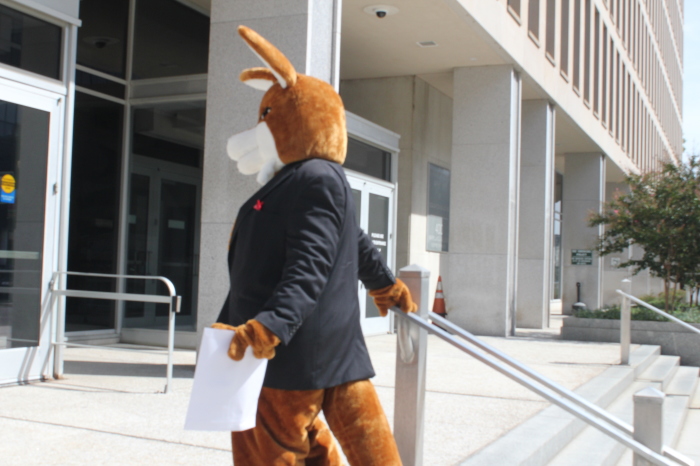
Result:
[[543, 389], [172, 300], [659, 311]]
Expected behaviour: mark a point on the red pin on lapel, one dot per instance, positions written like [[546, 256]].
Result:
[[258, 205]]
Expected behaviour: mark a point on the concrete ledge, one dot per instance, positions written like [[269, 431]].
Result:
[[155, 337], [671, 337]]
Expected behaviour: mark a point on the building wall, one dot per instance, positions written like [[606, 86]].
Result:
[[422, 115], [630, 105]]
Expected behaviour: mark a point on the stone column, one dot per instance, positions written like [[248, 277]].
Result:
[[535, 219], [483, 252], [583, 194], [306, 32]]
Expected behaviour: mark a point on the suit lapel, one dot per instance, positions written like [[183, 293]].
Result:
[[248, 205]]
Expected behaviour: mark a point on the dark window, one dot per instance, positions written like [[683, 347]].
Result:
[[24, 147], [438, 234], [29, 43], [514, 6], [533, 18], [102, 36], [99, 84], [550, 41], [587, 54], [577, 43], [564, 56], [368, 159], [170, 40], [94, 208]]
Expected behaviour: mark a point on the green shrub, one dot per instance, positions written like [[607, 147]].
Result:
[[684, 313]]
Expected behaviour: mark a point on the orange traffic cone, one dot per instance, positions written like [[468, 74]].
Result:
[[439, 303]]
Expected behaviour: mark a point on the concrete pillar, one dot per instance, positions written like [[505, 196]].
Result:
[[536, 211], [484, 199], [612, 274], [306, 31], [583, 193]]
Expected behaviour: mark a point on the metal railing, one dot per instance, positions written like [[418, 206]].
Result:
[[626, 319], [172, 300], [413, 330]]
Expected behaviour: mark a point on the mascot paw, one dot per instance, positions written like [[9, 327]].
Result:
[[253, 334], [393, 295]]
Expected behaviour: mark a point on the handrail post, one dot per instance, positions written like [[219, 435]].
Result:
[[59, 310], [625, 323], [409, 392], [648, 422]]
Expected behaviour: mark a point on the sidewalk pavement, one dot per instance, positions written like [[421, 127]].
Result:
[[107, 409]]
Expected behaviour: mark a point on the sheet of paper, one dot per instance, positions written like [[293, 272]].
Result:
[[225, 392]]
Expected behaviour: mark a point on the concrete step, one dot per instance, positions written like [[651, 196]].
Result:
[[661, 370], [683, 382], [540, 438], [607, 451]]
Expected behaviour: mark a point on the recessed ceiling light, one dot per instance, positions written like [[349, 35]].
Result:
[[427, 43], [473, 59], [381, 11]]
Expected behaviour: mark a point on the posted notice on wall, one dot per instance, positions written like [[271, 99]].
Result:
[[225, 392]]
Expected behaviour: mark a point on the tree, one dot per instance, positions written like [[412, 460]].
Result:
[[660, 214]]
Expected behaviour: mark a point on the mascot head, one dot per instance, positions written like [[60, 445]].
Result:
[[300, 117]]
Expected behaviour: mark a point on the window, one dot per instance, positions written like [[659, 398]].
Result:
[[587, 55], [577, 43], [550, 42], [368, 159], [606, 72], [564, 56], [170, 39], [102, 38], [29, 43], [596, 63], [94, 220], [533, 19], [514, 8], [438, 234]]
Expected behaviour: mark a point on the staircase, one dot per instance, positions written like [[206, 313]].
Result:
[[554, 437]]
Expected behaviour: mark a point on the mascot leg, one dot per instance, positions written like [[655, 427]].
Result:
[[287, 432], [357, 420]]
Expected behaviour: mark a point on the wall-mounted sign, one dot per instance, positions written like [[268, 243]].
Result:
[[581, 257], [7, 189]]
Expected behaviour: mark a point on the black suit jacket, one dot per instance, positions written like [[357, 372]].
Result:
[[295, 256]]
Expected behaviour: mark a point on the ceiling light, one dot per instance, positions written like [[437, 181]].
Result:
[[427, 43]]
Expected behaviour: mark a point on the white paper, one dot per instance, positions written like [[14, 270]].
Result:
[[225, 392]]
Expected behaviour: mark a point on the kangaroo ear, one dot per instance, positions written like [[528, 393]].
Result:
[[258, 78], [279, 65]]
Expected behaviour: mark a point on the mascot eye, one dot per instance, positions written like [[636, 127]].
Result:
[[265, 112]]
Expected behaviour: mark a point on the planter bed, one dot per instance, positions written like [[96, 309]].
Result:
[[671, 337]]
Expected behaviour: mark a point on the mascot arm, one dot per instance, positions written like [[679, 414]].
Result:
[[253, 334], [386, 290], [313, 233]]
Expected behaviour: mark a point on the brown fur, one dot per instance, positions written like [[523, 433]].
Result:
[[307, 118], [393, 295], [253, 334], [270, 54], [289, 432]]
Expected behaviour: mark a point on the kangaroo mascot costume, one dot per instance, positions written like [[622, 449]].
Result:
[[295, 256]]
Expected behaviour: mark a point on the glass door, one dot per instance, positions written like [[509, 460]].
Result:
[[163, 241], [374, 204], [29, 146]]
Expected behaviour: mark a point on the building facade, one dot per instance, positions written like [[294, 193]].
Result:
[[482, 135]]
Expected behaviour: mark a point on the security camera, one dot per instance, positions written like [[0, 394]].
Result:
[[380, 13]]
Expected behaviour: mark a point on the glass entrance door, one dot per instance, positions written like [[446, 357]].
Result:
[[29, 135], [374, 204], [163, 241]]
